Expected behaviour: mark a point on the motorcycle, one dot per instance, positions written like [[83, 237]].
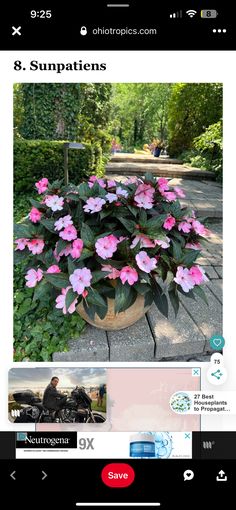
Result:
[[76, 409]]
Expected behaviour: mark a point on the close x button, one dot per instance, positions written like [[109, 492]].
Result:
[[118, 475]]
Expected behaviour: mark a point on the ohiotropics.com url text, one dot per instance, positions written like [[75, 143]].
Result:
[[124, 31]]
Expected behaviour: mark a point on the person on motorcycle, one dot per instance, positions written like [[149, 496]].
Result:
[[53, 400]]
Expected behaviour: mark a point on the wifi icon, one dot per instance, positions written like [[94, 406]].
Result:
[[191, 13]]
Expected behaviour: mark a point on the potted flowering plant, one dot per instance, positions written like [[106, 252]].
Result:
[[108, 249]]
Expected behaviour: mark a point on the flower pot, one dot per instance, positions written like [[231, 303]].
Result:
[[116, 321]]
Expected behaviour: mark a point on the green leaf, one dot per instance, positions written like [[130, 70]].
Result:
[[166, 259], [84, 191], [22, 230], [105, 213], [40, 207], [143, 217], [128, 224], [148, 298], [177, 252], [61, 245], [174, 299], [99, 275], [123, 297], [70, 297], [189, 257], [176, 211], [156, 222], [149, 178], [160, 298], [178, 236], [71, 265], [86, 254], [48, 224], [101, 311], [87, 235], [189, 294], [79, 214], [133, 210], [58, 280], [73, 196], [169, 278], [144, 276], [42, 290], [97, 190], [47, 257], [90, 310], [136, 249], [142, 288], [95, 298], [200, 293]]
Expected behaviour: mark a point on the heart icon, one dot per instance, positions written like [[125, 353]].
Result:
[[217, 342]]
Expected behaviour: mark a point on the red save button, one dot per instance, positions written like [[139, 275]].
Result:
[[118, 475]]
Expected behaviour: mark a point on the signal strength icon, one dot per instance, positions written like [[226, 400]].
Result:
[[191, 13], [178, 14]]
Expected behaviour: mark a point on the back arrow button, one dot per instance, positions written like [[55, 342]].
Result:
[[12, 475]]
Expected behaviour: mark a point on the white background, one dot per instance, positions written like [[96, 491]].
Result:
[[126, 67]]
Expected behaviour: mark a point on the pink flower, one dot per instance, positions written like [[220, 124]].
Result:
[[122, 192], [198, 275], [106, 246], [179, 192], [80, 279], [33, 277], [144, 196], [184, 279], [185, 227], [84, 294], [132, 180], [36, 246], [145, 242], [163, 244], [61, 302], [35, 215], [111, 197], [145, 263], [199, 228], [54, 269], [56, 257], [193, 246], [94, 179], [128, 274], [42, 185], [69, 233], [77, 247], [21, 243], [94, 205], [111, 183], [162, 184], [64, 222], [169, 222], [169, 196], [114, 273], [54, 202]]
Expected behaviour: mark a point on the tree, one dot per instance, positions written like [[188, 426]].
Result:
[[50, 110], [192, 108], [139, 112]]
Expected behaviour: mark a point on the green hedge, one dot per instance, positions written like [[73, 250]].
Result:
[[34, 159]]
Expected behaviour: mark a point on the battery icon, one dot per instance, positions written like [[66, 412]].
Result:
[[209, 13]]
